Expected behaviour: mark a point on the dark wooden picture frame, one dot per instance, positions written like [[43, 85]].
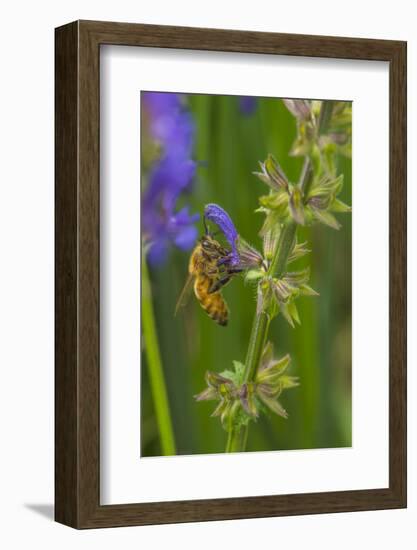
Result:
[[77, 373]]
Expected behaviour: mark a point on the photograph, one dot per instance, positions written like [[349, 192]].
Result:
[[246, 273], [209, 253]]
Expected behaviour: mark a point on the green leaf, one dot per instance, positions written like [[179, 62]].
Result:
[[271, 365], [339, 206], [337, 184], [293, 311], [298, 251], [227, 412], [239, 370], [275, 201], [222, 409], [325, 217], [236, 375], [289, 382], [275, 172], [326, 186], [308, 291], [265, 179], [273, 373], [207, 394], [272, 174], [286, 314], [241, 417], [297, 278], [267, 353], [274, 405], [215, 380]]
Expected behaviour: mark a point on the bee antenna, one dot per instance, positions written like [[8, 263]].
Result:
[[205, 227]]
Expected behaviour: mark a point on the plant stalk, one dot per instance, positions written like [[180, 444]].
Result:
[[238, 436], [326, 112], [236, 441], [156, 373]]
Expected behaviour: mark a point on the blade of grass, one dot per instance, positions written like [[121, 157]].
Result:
[[156, 373]]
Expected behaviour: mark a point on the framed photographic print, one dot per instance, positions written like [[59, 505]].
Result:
[[230, 274]]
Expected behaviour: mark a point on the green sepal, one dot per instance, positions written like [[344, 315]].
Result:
[[325, 217], [339, 206], [298, 251], [295, 205], [306, 290], [293, 311], [273, 405]]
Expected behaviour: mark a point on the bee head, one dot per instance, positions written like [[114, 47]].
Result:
[[207, 242]]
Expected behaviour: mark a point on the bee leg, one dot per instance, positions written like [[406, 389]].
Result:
[[224, 279], [224, 259], [216, 286], [232, 271]]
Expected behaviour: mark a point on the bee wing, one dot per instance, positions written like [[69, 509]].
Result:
[[185, 293]]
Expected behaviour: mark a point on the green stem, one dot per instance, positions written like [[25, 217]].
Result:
[[325, 116], [283, 250], [238, 436], [261, 320], [256, 344], [236, 441], [156, 373]]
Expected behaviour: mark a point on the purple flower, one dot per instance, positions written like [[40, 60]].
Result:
[[160, 104], [172, 127], [216, 214], [177, 229], [247, 104], [168, 178], [170, 123]]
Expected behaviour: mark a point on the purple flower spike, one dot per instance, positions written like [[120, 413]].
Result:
[[171, 125], [161, 104], [177, 229], [216, 214]]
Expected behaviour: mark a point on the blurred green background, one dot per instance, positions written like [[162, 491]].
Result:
[[230, 144]]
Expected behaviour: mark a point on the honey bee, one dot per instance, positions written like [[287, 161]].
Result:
[[209, 275]]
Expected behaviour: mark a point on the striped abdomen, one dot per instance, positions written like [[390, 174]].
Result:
[[212, 303]]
